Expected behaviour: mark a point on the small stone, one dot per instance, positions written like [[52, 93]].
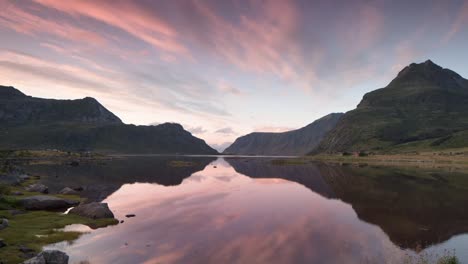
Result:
[[130, 215], [68, 191], [74, 163], [3, 223], [2, 243], [17, 193], [40, 188], [122, 221]]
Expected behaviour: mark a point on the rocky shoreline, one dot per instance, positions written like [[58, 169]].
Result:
[[31, 216]]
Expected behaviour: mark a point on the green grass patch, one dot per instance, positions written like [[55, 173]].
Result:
[[39, 228]]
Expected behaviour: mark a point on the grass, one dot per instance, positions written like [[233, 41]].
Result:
[[34, 229], [453, 158], [39, 228], [448, 257]]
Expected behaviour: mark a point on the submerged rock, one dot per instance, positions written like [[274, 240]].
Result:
[[45, 202], [3, 223], [93, 210], [41, 188], [68, 191], [49, 257]]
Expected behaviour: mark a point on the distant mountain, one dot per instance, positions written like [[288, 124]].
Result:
[[425, 106], [35, 123], [295, 142]]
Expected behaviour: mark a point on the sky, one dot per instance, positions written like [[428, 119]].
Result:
[[225, 68]]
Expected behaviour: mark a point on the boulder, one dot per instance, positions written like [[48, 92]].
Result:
[[3, 223], [93, 210], [41, 188], [45, 202], [69, 191], [49, 257]]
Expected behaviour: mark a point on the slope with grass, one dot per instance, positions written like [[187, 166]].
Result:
[[424, 103]]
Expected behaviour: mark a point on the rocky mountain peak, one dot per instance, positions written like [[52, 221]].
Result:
[[428, 74]]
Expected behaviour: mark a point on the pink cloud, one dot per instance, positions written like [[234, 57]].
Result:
[[127, 16], [260, 43], [25, 22], [460, 21]]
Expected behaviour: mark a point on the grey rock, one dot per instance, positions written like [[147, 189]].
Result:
[[45, 202], [41, 188], [69, 191], [49, 257], [3, 223], [17, 193], [93, 210]]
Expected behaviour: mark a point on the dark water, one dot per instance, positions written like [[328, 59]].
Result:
[[248, 210]]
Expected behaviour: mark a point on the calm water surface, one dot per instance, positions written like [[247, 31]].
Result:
[[249, 210]]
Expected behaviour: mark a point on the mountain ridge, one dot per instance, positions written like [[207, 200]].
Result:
[[84, 124], [294, 142]]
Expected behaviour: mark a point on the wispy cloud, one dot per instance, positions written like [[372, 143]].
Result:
[[226, 131], [196, 130], [128, 16]]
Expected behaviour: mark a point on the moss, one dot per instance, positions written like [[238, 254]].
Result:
[[39, 228]]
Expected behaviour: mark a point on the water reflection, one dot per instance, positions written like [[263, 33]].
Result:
[[251, 211]]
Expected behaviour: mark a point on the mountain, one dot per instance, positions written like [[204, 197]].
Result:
[[16, 109], [84, 124], [295, 142], [425, 106]]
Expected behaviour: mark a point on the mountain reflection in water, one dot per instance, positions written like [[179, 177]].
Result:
[[248, 210]]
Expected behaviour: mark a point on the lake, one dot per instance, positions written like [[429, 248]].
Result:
[[256, 210]]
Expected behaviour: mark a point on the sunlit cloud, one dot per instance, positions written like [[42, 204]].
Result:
[[226, 130]]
